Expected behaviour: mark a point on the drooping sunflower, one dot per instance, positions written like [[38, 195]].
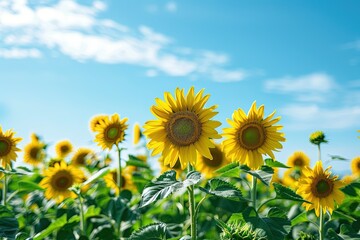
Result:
[[126, 180], [137, 133], [96, 120], [298, 159], [320, 188], [34, 153], [111, 131], [81, 156], [58, 179], [183, 127], [355, 166], [252, 135], [8, 146], [63, 148], [207, 166]]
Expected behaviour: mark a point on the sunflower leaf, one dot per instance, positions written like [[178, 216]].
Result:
[[273, 163], [350, 189], [28, 186], [192, 178], [223, 189], [264, 174], [230, 170], [302, 217], [152, 231], [99, 174], [283, 192], [137, 162], [8, 223], [59, 223]]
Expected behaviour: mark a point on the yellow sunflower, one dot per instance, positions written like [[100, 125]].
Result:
[[111, 131], [126, 180], [8, 147], [251, 136], [34, 137], [177, 167], [298, 159], [54, 161], [355, 166], [63, 148], [137, 133], [207, 166], [96, 120], [58, 179], [183, 127], [34, 153], [291, 177], [81, 156], [320, 188]]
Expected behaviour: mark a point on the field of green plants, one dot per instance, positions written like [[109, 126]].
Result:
[[217, 180]]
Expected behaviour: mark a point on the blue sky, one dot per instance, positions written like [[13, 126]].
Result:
[[61, 62]]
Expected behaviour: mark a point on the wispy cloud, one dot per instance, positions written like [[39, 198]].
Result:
[[308, 88], [353, 45], [312, 117], [77, 31]]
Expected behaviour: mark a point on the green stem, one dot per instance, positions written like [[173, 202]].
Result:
[[4, 189], [192, 208], [199, 205], [119, 168], [321, 226], [253, 191], [82, 215], [319, 152], [261, 205]]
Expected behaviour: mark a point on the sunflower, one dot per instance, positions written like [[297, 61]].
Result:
[[58, 179], [207, 166], [298, 159], [126, 180], [63, 148], [8, 147], [177, 167], [251, 136], [96, 120], [355, 166], [291, 177], [183, 127], [110, 131], [137, 133], [54, 161], [317, 138], [81, 156], [34, 153], [320, 188]]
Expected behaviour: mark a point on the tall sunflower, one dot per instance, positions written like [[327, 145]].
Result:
[[252, 135], [183, 127], [111, 131], [320, 188], [137, 133], [96, 120], [355, 166], [126, 180], [81, 156], [298, 159], [207, 166], [58, 179], [63, 148], [34, 153], [8, 146]]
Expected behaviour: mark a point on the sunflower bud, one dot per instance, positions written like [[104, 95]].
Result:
[[317, 138]]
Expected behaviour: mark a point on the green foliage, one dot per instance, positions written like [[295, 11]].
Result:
[[352, 189], [273, 163], [8, 223], [223, 189], [230, 170], [153, 231], [264, 174], [283, 192], [134, 161]]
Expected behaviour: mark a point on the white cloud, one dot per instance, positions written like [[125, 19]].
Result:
[[353, 45], [312, 117], [20, 53], [76, 30], [171, 6], [151, 73]]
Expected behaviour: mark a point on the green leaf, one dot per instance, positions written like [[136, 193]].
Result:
[[273, 163], [11, 172], [337, 157], [99, 174], [192, 178], [134, 161], [153, 231], [165, 185], [59, 223], [223, 189], [230, 170], [28, 186], [302, 217], [8, 223], [351, 189], [283, 192], [264, 174], [92, 211]]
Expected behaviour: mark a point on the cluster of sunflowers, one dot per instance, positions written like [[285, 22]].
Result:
[[233, 192]]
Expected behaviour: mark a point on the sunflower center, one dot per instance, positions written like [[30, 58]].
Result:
[[62, 180], [358, 165], [64, 148], [112, 133], [323, 188], [34, 152], [5, 147], [217, 158], [183, 128], [299, 162], [251, 136], [81, 159]]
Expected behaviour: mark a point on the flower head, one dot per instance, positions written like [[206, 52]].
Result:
[[63, 148], [355, 166], [8, 147], [317, 138], [96, 120], [137, 133], [81, 156]]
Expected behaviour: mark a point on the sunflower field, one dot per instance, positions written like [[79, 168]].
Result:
[[212, 184]]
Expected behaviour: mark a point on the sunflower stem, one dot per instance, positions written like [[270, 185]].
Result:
[[253, 191], [4, 189], [119, 169], [319, 152], [82, 215], [192, 208], [321, 224]]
